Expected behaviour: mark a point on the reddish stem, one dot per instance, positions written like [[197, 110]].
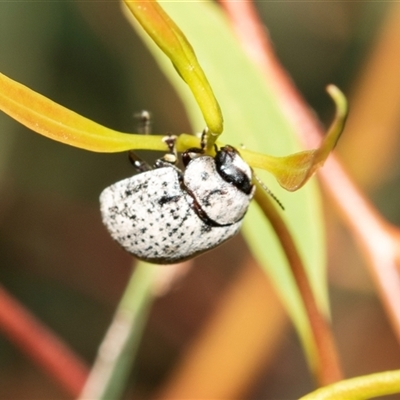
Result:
[[42, 346], [328, 366]]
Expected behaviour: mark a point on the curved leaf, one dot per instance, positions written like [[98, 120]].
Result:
[[360, 387], [294, 170], [167, 35]]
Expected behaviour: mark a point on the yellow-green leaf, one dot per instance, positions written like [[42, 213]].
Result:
[[48, 118], [171, 40], [294, 170], [360, 387]]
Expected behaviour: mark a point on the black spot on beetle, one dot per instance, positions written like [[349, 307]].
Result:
[[204, 176], [168, 199], [205, 228]]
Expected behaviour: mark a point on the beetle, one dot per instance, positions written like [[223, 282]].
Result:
[[165, 215]]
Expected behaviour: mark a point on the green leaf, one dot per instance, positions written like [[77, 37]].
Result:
[[56, 122], [253, 118], [360, 387], [294, 170], [171, 40]]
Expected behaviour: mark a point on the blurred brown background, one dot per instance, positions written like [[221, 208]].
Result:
[[57, 259]]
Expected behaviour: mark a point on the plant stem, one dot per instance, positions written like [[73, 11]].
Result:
[[328, 367], [362, 387], [107, 380]]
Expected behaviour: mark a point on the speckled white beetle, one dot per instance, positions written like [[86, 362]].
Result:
[[165, 215]]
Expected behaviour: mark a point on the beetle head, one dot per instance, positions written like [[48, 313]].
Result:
[[233, 169]]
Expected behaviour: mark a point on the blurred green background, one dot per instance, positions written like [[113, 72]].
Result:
[[55, 255]]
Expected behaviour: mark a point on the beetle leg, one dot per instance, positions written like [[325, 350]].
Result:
[[203, 140], [144, 122], [190, 154], [144, 128], [139, 164], [195, 152], [172, 156]]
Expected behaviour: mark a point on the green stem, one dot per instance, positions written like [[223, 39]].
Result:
[[108, 376], [362, 387]]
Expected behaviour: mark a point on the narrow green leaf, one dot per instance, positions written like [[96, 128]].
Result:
[[171, 40], [48, 118]]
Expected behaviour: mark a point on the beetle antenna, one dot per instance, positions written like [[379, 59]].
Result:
[[266, 188]]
